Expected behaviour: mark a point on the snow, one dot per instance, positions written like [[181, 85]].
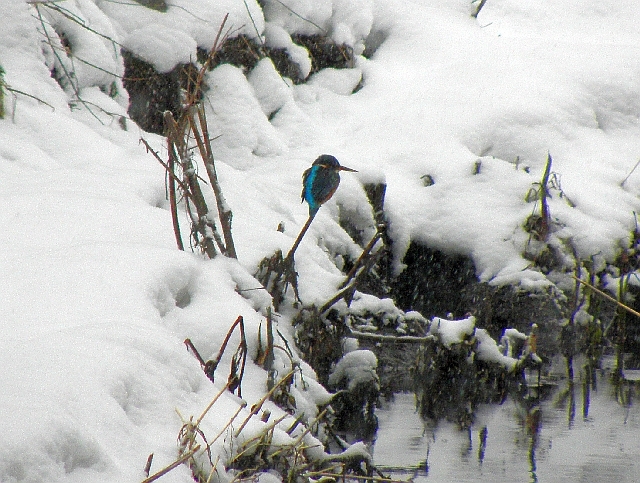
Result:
[[177, 46], [355, 368], [489, 351], [449, 332], [278, 38], [96, 299], [452, 331]]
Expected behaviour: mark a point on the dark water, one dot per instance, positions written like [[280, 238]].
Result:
[[588, 434]]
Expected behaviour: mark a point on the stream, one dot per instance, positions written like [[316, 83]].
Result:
[[568, 436]]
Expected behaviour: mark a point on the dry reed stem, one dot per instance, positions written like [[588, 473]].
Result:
[[630, 173], [266, 357], [361, 259], [544, 204], [256, 440], [256, 407], [173, 201], [172, 181], [212, 365], [289, 257], [213, 469], [173, 465], [176, 136], [201, 135], [309, 426], [165, 166], [224, 212], [607, 296], [210, 405], [235, 415], [217, 43], [363, 265]]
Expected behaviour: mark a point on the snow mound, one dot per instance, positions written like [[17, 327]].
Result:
[[355, 368], [452, 331], [176, 46]]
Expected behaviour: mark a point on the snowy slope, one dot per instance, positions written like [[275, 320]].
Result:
[[96, 300]]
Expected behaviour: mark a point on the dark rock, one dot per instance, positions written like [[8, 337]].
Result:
[[150, 92]]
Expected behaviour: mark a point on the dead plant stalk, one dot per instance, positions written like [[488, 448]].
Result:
[[178, 137], [544, 204], [202, 138], [173, 465], [607, 296], [256, 407]]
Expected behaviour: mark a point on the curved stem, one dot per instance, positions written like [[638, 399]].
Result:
[[289, 256]]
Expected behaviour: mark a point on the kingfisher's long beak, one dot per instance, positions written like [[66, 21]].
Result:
[[344, 168]]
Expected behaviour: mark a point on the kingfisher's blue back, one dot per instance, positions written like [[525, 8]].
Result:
[[320, 181]]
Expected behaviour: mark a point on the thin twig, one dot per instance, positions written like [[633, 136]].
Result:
[[16, 91], [217, 43], [173, 202], [630, 173], [306, 226], [196, 194], [86, 62], [243, 405], [74, 87], [224, 213], [394, 339], [191, 348], [259, 35], [351, 288], [361, 259], [206, 153], [210, 405], [240, 321], [302, 18], [173, 465], [607, 296], [256, 407], [74, 18], [172, 175]]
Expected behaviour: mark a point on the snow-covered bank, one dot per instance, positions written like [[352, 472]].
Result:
[[96, 300]]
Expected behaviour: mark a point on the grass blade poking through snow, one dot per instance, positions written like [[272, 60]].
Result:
[[539, 225]]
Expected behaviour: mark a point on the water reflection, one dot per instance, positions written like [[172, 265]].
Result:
[[528, 440]]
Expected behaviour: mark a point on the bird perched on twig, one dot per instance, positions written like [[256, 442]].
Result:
[[320, 181]]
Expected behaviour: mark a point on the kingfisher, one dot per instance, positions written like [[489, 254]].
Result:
[[320, 181]]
